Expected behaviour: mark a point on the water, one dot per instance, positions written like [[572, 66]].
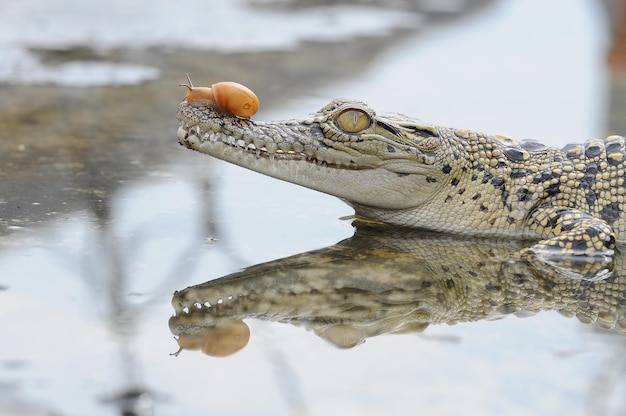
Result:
[[104, 216]]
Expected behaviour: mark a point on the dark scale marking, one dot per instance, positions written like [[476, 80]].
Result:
[[573, 151], [591, 168], [544, 176], [446, 169], [498, 182], [591, 197], [461, 191], [549, 285], [614, 147], [579, 245], [448, 198], [553, 221], [474, 177], [430, 179], [518, 173], [589, 179], [553, 189], [477, 196], [487, 177], [522, 193], [391, 149], [483, 207], [547, 175], [593, 151], [592, 232], [615, 161], [454, 181], [610, 213], [505, 197], [514, 155]]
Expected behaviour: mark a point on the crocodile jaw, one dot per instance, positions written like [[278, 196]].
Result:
[[357, 179]]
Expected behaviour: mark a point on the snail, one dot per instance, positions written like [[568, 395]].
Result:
[[231, 97]]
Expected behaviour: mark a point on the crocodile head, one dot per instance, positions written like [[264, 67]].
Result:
[[378, 162]]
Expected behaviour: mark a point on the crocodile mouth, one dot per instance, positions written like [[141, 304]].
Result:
[[214, 305], [193, 136]]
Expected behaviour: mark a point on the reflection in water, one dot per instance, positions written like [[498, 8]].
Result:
[[391, 281], [108, 265], [218, 340]]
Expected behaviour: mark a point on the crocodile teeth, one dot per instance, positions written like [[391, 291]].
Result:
[[256, 146]]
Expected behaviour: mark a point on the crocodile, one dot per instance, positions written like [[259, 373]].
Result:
[[387, 280], [401, 171]]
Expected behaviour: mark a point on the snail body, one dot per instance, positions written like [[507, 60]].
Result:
[[230, 97]]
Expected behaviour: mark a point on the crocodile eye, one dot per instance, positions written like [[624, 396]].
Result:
[[353, 120]]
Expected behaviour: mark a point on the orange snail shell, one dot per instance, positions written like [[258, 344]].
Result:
[[231, 97]]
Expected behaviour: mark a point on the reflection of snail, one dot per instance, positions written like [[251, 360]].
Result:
[[216, 341], [231, 97]]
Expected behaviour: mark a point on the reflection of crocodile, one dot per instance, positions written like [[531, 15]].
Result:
[[389, 281], [401, 171]]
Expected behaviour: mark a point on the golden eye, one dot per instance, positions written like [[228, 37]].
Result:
[[353, 120]]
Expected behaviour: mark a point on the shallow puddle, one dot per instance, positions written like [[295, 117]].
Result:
[[103, 217]]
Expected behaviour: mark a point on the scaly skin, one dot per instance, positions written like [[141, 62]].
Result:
[[391, 280], [401, 171]]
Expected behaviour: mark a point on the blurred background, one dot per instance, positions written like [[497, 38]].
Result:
[[103, 215]]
